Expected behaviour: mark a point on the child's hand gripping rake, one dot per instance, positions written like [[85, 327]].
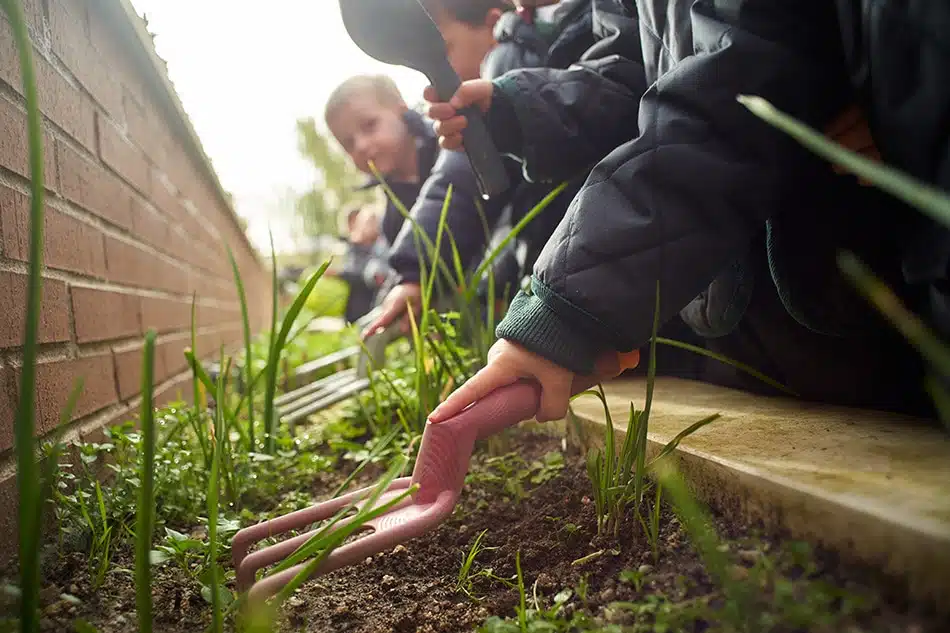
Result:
[[440, 471]]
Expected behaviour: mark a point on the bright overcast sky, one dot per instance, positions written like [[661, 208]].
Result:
[[245, 72]]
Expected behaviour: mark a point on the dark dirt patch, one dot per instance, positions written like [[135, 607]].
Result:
[[413, 588]]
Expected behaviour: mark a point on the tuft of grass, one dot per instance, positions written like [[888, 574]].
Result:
[[465, 577], [146, 506], [278, 340], [619, 481]]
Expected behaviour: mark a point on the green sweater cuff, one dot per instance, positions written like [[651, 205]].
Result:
[[502, 116], [533, 323]]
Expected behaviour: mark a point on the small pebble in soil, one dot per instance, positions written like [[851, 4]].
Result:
[[388, 581], [73, 589], [738, 572], [341, 609], [368, 561], [399, 549], [463, 529], [545, 581], [644, 569], [749, 555], [607, 595], [295, 601]]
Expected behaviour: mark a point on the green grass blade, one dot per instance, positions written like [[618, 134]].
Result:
[[515, 231], [689, 430], [728, 361], [941, 398], [643, 422], [706, 541], [146, 506], [427, 296], [277, 345], [196, 392], [929, 199], [380, 446], [271, 362], [213, 483], [28, 484], [248, 369], [887, 303]]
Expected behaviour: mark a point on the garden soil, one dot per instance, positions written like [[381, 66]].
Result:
[[414, 588]]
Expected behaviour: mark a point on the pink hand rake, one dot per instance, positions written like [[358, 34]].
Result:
[[441, 466]]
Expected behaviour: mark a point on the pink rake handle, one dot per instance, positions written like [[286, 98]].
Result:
[[440, 471]]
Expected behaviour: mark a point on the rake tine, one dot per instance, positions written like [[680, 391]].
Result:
[[306, 370], [247, 564], [382, 538], [290, 400], [348, 390]]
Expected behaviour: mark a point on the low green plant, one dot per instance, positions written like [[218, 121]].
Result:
[[464, 581], [510, 473], [101, 531]]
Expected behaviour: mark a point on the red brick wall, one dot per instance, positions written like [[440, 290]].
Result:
[[135, 223]]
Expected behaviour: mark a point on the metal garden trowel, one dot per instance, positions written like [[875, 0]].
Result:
[[401, 32]]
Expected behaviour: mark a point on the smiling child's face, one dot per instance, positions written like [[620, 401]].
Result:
[[371, 132]]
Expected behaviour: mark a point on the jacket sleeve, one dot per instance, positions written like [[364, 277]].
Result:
[[677, 204], [560, 122], [464, 218]]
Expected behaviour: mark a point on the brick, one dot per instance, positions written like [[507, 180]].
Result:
[[143, 121], [151, 227], [128, 372], [123, 157], [14, 149], [165, 314], [55, 381], [64, 103], [103, 314], [92, 187], [7, 408], [54, 310], [126, 264], [70, 43], [173, 357], [69, 244], [164, 193]]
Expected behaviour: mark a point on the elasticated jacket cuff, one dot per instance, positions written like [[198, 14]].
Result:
[[533, 323], [502, 116]]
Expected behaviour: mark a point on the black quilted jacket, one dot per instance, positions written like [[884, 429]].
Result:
[[690, 176]]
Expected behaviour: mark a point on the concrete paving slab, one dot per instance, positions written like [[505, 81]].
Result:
[[873, 486]]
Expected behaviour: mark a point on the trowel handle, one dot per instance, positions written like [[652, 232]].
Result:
[[486, 162]]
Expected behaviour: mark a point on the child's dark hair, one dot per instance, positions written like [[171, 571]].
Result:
[[471, 12]]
